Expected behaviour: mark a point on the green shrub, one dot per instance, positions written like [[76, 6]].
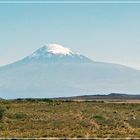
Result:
[[18, 116], [2, 110], [98, 117]]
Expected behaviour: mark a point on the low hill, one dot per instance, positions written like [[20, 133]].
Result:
[[111, 96]]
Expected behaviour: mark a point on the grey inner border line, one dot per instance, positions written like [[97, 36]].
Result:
[[70, 2], [63, 138], [67, 138]]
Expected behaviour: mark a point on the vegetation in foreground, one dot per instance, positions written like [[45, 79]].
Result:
[[75, 119]]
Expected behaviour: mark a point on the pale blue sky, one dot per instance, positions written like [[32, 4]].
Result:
[[103, 32]]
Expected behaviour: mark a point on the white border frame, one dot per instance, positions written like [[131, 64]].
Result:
[[70, 2]]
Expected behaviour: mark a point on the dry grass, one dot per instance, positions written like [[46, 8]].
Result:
[[69, 119]]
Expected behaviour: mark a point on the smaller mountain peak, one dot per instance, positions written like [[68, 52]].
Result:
[[56, 49]]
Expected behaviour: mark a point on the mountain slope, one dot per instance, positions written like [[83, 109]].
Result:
[[54, 71]]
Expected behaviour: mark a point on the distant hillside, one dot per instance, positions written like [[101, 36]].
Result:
[[98, 97]]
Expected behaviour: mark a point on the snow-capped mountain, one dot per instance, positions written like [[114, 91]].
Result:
[[52, 49], [54, 71], [54, 53]]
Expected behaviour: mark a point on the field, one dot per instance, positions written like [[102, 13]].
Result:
[[71, 119]]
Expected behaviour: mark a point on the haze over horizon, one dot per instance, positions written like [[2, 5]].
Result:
[[103, 32]]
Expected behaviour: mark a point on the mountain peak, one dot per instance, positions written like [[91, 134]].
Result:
[[57, 49], [51, 49], [57, 53]]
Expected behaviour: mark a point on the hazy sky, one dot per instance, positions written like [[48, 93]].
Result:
[[103, 32]]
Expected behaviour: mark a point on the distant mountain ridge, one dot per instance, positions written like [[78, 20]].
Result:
[[56, 71], [111, 96]]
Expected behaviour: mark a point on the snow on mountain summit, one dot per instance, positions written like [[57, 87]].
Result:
[[52, 49], [56, 53], [58, 49]]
